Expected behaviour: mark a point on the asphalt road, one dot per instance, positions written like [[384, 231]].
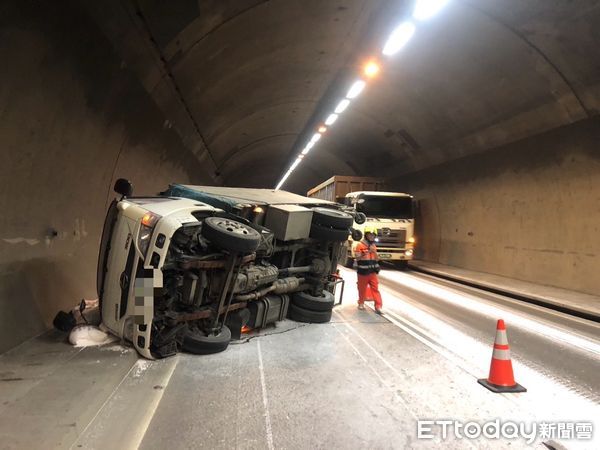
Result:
[[561, 347], [364, 380], [360, 381]]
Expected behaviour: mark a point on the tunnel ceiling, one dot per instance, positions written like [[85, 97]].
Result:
[[245, 82]]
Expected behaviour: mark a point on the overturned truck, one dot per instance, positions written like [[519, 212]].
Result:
[[189, 269]]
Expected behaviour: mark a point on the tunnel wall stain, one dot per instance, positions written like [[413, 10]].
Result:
[[72, 120], [530, 210]]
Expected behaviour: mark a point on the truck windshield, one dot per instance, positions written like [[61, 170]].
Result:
[[386, 207]]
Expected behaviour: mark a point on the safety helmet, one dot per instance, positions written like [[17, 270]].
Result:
[[370, 229]]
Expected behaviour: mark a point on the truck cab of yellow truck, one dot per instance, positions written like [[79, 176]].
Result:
[[391, 213]]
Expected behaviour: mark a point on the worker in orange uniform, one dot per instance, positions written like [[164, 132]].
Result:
[[368, 268]]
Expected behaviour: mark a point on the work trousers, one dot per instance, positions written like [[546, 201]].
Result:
[[368, 289]]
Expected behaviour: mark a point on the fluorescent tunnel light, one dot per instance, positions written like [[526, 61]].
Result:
[[285, 177], [425, 9], [356, 89], [308, 147], [315, 138], [399, 37], [331, 119], [341, 107]]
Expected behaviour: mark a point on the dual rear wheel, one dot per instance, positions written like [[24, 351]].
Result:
[[330, 225], [311, 309]]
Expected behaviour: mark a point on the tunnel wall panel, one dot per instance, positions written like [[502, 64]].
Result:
[[72, 120], [529, 210]]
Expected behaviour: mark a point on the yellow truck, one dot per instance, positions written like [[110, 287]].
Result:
[[391, 213]]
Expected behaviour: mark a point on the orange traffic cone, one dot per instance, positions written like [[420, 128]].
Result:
[[501, 378]]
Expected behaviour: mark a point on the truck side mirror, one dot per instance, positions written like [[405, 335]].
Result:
[[123, 187]]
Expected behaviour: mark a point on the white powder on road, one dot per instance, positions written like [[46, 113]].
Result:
[[87, 336]]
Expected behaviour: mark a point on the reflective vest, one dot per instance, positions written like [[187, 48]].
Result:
[[366, 258]]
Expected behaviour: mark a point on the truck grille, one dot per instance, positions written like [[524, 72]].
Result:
[[391, 238]]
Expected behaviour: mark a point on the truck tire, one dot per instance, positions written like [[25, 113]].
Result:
[[332, 218], [230, 235], [324, 233], [356, 234], [304, 315], [306, 301], [194, 341], [360, 218]]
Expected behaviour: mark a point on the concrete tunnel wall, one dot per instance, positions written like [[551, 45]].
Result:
[[83, 101], [529, 210], [72, 120]]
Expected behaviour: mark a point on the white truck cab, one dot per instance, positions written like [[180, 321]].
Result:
[[392, 215], [140, 231]]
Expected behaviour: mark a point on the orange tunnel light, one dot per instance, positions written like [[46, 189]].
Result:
[[371, 69]]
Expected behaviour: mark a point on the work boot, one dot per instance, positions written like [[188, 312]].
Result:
[[361, 306], [378, 311]]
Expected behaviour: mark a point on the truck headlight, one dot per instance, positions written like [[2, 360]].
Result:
[[149, 221], [408, 252], [412, 240]]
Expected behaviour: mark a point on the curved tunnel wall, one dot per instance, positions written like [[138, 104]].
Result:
[[89, 91], [529, 210], [72, 119]]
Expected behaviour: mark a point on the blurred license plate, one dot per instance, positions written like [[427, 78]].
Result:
[[384, 255]]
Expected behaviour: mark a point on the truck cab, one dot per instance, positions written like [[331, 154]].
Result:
[[392, 215]]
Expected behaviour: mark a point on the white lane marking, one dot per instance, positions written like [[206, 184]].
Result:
[[547, 399], [264, 398], [139, 434], [544, 392], [394, 391], [422, 336], [103, 404], [238, 390], [472, 303], [377, 374], [375, 351]]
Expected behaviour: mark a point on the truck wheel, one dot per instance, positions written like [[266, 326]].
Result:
[[196, 342], [323, 233], [304, 315], [331, 218], [306, 301], [360, 218], [356, 234], [230, 235]]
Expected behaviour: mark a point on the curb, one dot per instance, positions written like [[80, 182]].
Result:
[[539, 301]]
